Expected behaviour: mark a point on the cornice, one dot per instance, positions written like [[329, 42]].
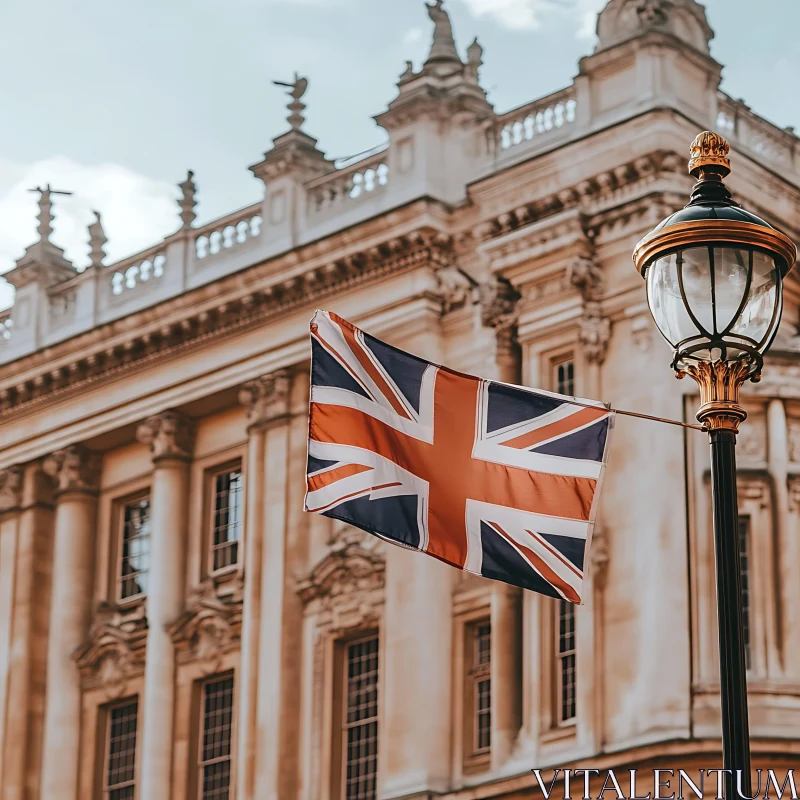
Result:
[[599, 193], [265, 294]]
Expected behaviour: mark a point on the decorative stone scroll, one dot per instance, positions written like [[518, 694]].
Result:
[[209, 627], [75, 469], [169, 435], [595, 329], [499, 309], [267, 398], [115, 650], [345, 589], [10, 488]]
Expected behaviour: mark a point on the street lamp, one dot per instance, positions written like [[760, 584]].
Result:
[[714, 276]]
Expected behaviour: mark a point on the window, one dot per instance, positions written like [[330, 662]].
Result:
[[121, 752], [565, 658], [215, 746], [564, 377], [360, 734], [135, 561], [744, 577], [480, 684], [227, 530]]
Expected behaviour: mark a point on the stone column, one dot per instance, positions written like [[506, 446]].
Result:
[[788, 587], [285, 523], [265, 400], [170, 437], [27, 653], [76, 472], [499, 311], [506, 659]]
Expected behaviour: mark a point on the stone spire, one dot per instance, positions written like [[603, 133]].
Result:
[[187, 202], [296, 90], [474, 60], [97, 242], [43, 261], [443, 49], [45, 227], [294, 151]]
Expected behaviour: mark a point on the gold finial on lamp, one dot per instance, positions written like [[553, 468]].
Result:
[[709, 150]]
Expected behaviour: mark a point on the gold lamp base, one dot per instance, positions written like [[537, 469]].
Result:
[[720, 382]]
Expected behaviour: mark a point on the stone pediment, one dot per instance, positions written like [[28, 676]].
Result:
[[115, 650], [209, 627], [346, 587]]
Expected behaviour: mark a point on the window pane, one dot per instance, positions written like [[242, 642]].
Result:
[[135, 561], [215, 754], [565, 378], [565, 652], [121, 755], [227, 518], [480, 675], [361, 720]]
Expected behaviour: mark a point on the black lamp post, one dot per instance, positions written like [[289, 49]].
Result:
[[714, 277]]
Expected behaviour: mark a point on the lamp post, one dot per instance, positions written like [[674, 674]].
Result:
[[714, 276]]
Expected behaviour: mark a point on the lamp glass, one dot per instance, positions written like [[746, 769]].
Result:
[[726, 297]]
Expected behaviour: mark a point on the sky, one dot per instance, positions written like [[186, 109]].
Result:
[[116, 101]]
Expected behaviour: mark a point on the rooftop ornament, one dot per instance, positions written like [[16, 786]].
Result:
[[296, 90]]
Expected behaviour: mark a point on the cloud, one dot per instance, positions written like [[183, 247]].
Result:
[[137, 211], [529, 14]]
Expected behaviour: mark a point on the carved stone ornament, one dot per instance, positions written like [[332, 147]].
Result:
[[187, 203], [642, 333], [169, 435], [74, 469], [586, 275], [499, 300], [10, 488], [455, 288], [594, 334], [209, 627], [267, 398], [345, 589], [115, 650]]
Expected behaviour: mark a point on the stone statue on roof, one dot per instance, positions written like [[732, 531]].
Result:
[[444, 46]]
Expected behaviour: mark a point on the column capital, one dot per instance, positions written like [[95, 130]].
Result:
[[10, 488], [75, 469], [267, 398], [169, 434]]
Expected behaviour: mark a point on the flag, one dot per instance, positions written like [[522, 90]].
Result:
[[498, 480]]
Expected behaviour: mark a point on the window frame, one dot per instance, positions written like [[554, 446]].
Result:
[[474, 673], [118, 545], [209, 518], [200, 729], [108, 710], [338, 764], [556, 362], [560, 721]]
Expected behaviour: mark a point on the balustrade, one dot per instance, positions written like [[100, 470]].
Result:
[[360, 180], [143, 268], [6, 326], [531, 121], [227, 233], [736, 122]]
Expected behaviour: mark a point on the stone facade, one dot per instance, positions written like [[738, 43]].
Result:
[[158, 406]]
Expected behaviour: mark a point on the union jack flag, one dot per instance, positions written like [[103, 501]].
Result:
[[494, 479]]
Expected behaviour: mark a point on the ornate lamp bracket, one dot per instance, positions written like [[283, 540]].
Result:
[[720, 383]]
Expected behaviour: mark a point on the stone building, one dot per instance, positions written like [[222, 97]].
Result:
[[173, 625]]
